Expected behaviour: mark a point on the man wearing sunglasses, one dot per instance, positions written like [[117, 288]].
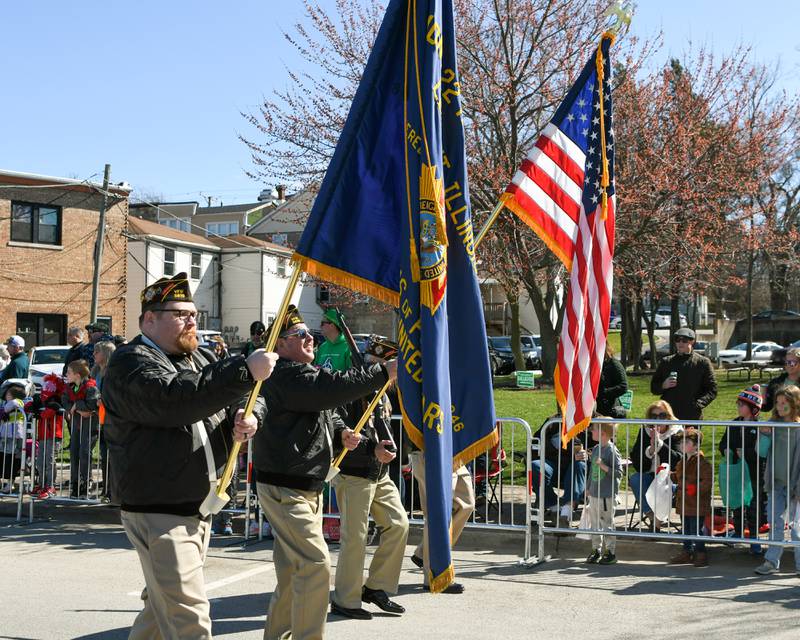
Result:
[[173, 412], [685, 379], [333, 354], [791, 375], [292, 457]]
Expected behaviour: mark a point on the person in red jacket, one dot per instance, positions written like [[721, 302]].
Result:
[[81, 402], [49, 431]]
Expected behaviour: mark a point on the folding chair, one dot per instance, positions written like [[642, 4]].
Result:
[[489, 473]]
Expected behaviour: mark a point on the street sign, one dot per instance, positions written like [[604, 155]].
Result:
[[626, 400]]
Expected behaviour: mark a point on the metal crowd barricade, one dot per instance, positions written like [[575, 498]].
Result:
[[764, 512], [16, 452], [71, 463], [504, 471]]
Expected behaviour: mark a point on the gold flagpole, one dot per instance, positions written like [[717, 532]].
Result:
[[225, 480], [492, 218], [364, 418]]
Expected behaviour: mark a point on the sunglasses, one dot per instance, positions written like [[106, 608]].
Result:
[[660, 416], [792, 363], [683, 339], [300, 333], [325, 322]]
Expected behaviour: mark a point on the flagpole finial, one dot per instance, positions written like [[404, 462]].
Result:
[[619, 15]]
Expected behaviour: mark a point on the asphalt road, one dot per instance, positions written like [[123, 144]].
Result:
[[67, 579]]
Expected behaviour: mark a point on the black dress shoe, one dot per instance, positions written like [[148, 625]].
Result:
[[456, 587], [355, 614], [417, 560], [379, 597]]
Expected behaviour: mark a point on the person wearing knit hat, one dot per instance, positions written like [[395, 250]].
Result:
[[333, 354], [741, 442]]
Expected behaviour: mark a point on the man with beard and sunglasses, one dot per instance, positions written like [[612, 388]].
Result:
[[292, 456], [173, 413]]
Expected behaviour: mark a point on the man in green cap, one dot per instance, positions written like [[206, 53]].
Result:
[[333, 354]]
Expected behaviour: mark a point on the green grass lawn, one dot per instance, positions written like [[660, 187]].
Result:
[[534, 406]]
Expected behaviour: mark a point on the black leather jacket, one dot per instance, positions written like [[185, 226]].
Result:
[[151, 401], [294, 450]]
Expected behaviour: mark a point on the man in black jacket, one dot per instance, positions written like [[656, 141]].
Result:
[[173, 415], [362, 488], [77, 347], [685, 379], [292, 456]]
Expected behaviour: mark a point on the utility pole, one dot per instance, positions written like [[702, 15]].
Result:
[[98, 246]]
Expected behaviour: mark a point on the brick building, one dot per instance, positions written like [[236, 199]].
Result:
[[48, 228]]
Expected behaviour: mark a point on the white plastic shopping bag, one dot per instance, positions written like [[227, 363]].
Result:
[[585, 523], [659, 494]]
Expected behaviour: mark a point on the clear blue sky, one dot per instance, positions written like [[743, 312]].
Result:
[[155, 87]]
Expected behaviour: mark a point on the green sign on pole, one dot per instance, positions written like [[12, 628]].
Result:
[[524, 379], [626, 400]]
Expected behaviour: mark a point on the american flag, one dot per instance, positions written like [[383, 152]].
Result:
[[558, 192]]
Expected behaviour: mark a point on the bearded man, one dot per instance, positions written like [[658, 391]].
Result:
[[174, 411]]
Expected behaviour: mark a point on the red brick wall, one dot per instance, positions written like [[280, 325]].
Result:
[[59, 281]]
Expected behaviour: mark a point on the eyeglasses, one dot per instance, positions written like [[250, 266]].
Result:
[[660, 416], [683, 339], [792, 363], [300, 333], [180, 314]]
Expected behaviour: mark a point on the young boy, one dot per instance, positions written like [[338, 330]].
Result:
[[739, 443], [695, 480], [602, 489]]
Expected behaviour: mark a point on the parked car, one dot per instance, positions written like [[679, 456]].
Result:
[[769, 314], [361, 340], [762, 351], [662, 321], [44, 360], [204, 335], [532, 350], [662, 349], [501, 357], [700, 347], [779, 355]]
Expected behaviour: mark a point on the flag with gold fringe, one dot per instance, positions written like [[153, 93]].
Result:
[[564, 190], [393, 220]]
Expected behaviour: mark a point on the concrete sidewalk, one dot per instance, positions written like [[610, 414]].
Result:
[[67, 579]]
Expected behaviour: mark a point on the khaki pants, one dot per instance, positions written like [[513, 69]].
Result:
[[299, 604], [463, 504], [601, 516], [357, 498], [172, 550]]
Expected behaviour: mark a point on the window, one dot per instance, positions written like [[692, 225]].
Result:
[[176, 223], [40, 329], [281, 267], [169, 261], [196, 257], [39, 224], [108, 321], [222, 228]]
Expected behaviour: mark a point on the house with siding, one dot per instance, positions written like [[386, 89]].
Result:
[[234, 280]]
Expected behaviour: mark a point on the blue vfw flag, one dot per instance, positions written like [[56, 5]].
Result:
[[393, 220]]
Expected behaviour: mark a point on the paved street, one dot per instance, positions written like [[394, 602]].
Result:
[[66, 579]]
